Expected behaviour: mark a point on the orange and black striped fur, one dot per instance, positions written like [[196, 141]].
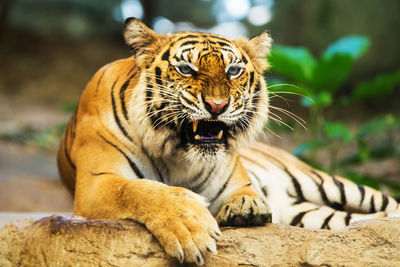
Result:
[[161, 138]]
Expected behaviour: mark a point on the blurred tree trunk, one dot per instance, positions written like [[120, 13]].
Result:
[[4, 10], [148, 11]]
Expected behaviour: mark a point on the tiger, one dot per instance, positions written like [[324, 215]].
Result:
[[168, 138]]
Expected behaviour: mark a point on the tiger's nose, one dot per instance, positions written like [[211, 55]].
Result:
[[216, 107]]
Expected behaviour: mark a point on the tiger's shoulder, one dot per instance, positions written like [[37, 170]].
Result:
[[113, 77]]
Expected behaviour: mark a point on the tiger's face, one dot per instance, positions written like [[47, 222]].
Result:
[[205, 93]]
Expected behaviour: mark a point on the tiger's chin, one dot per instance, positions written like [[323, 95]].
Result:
[[205, 153]]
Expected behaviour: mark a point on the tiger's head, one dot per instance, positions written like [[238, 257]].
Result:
[[203, 94]]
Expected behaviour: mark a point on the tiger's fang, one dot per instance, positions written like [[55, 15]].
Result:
[[195, 123]]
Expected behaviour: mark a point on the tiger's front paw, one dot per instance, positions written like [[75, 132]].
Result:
[[244, 210], [184, 227]]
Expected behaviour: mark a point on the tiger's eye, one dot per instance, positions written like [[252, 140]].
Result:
[[234, 71], [185, 70]]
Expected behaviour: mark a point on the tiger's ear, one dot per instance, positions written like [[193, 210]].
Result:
[[261, 44], [257, 48], [141, 39]]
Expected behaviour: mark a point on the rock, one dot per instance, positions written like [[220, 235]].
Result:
[[74, 241]]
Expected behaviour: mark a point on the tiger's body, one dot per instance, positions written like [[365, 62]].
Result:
[[161, 138]]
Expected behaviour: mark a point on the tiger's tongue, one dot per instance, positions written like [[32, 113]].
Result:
[[201, 137]]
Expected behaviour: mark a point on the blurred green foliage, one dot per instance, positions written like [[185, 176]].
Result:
[[47, 138], [318, 81]]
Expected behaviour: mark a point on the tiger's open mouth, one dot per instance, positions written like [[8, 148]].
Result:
[[204, 132]]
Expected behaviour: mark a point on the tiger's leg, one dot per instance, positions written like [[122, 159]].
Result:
[[242, 204], [106, 188]]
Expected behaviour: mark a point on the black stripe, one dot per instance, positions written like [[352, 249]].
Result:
[[294, 181], [131, 163], [385, 202], [122, 96], [155, 118], [216, 37], [264, 189], [152, 164], [132, 69], [194, 178], [244, 59], [188, 101], [162, 106], [149, 94], [224, 44], [257, 88], [362, 192], [222, 57], [222, 189], [372, 203], [348, 218], [101, 173], [296, 185], [158, 76], [325, 225], [68, 157], [187, 36], [186, 49], [189, 92], [74, 116], [256, 98], [165, 56], [251, 78], [245, 120], [67, 137], [340, 185], [189, 43], [199, 186], [297, 202], [116, 117], [228, 50], [149, 90], [297, 219], [321, 188]]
